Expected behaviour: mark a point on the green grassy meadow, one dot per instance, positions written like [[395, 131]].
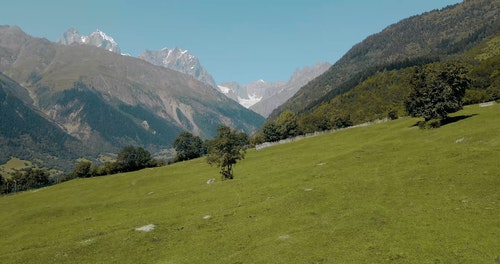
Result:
[[11, 165], [386, 193]]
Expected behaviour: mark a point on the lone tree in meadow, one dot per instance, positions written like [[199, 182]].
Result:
[[225, 149], [438, 90]]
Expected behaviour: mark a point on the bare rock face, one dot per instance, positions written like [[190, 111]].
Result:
[[178, 60]]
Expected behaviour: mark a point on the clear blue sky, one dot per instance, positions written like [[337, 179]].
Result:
[[235, 40]]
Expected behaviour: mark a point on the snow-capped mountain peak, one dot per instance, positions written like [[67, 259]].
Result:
[[100, 34], [251, 100], [97, 38], [224, 89], [179, 60]]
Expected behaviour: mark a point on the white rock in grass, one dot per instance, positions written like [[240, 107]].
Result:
[[487, 104], [146, 228], [284, 237], [207, 217]]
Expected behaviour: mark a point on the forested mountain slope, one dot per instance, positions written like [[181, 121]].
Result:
[[417, 40], [383, 94], [27, 133]]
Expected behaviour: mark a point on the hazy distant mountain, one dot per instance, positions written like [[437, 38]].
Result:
[[96, 38], [107, 101], [300, 78], [263, 97], [179, 60], [250, 94]]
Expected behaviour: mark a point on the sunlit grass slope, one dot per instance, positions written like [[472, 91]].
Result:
[[387, 193]]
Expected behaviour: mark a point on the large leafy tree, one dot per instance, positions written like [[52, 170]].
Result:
[[287, 124], [133, 158], [271, 132], [188, 146], [438, 90], [82, 170], [225, 149]]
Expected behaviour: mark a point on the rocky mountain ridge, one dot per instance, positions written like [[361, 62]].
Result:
[[179, 60], [176, 59]]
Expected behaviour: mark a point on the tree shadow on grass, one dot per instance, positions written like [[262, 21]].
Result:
[[454, 119], [449, 120]]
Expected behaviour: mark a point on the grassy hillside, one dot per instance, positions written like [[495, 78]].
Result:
[[387, 193]]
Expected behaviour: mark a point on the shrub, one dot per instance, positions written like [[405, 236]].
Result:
[[433, 123]]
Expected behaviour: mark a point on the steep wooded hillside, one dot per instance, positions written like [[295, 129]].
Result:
[[27, 133], [416, 40], [383, 94]]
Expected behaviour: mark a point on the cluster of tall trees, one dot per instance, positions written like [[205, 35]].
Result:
[[289, 125]]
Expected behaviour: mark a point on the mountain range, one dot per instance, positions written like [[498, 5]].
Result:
[[259, 96], [104, 100]]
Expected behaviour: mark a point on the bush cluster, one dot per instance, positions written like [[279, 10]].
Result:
[[129, 159], [27, 179]]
